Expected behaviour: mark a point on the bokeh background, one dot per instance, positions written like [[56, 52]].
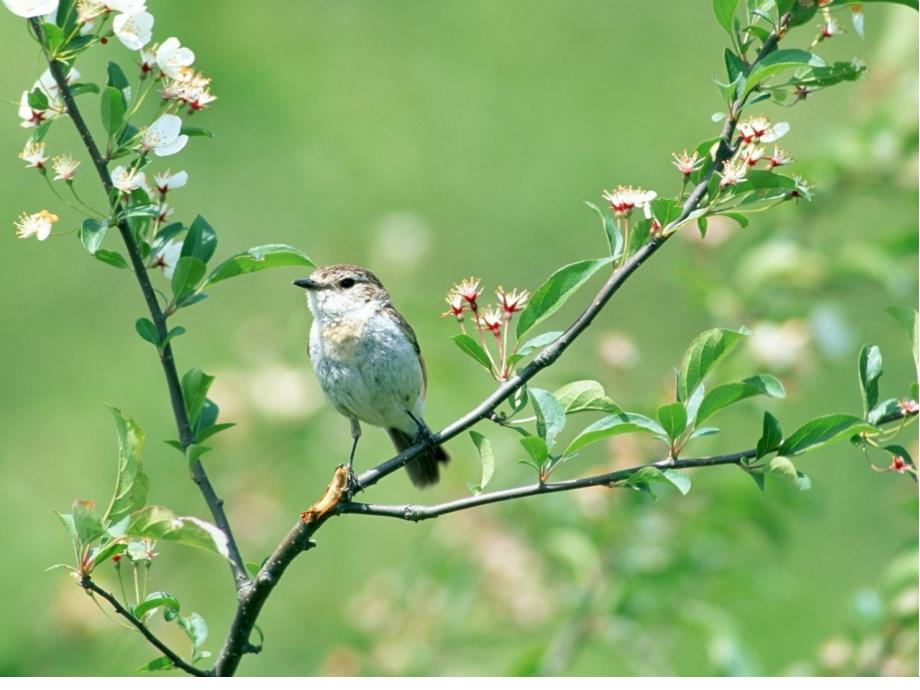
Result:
[[431, 141]]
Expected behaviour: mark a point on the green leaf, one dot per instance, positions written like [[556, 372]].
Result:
[[197, 132], [550, 415], [188, 273], [258, 259], [538, 342], [705, 431], [118, 80], [201, 240], [536, 448], [678, 479], [772, 435], [53, 35], [147, 330], [779, 61], [673, 419], [195, 627], [157, 522], [870, 369], [784, 467], [704, 353], [730, 393], [173, 333], [38, 99], [113, 109], [649, 474], [473, 349], [486, 458], [86, 87], [557, 289], [613, 234], [584, 396], [131, 483], [888, 408], [724, 10], [111, 258], [155, 600], [907, 317], [822, 430], [87, 525], [161, 663], [92, 232], [195, 385], [618, 423], [734, 66]]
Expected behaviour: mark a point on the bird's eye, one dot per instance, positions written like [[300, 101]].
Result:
[[347, 283]]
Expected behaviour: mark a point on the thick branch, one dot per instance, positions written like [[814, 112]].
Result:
[[186, 437], [177, 660], [417, 513]]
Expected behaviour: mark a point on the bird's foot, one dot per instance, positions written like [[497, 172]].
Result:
[[425, 436], [352, 485]]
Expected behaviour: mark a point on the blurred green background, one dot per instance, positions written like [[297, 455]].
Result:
[[431, 141]]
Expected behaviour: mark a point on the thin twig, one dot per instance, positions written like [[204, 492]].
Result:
[[186, 437], [90, 586]]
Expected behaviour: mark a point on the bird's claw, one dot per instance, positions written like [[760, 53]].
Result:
[[352, 485]]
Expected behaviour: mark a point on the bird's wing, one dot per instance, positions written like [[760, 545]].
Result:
[[391, 311]]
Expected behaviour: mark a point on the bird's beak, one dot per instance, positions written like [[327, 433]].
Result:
[[307, 284]]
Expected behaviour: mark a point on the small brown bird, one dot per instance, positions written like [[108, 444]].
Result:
[[368, 361]]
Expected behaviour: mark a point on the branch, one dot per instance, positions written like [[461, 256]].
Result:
[[417, 513], [90, 586], [298, 539], [186, 437]]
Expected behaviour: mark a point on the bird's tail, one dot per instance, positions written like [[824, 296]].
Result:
[[423, 470]]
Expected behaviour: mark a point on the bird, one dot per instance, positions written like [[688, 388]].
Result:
[[369, 364]]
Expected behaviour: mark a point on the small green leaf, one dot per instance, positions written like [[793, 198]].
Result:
[[473, 349], [550, 415], [870, 369], [613, 234], [673, 419], [157, 522], [113, 109], [730, 393], [258, 259], [889, 408], [118, 80], [188, 273], [38, 100], [779, 61], [87, 524], [92, 232], [147, 330], [772, 435], [155, 600], [584, 396], [131, 483], [111, 258], [724, 10], [704, 353], [195, 627], [173, 333], [195, 385], [201, 240], [486, 458], [822, 430], [197, 132], [161, 663], [538, 342], [678, 479], [649, 474], [557, 289], [536, 448], [619, 423]]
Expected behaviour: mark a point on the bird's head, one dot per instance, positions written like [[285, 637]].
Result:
[[337, 290]]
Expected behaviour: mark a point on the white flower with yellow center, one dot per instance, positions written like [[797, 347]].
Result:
[[133, 30], [31, 8], [175, 60], [38, 224], [65, 167], [164, 137], [128, 180], [166, 181], [34, 154]]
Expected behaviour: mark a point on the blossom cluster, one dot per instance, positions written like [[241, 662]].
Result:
[[493, 318], [753, 132]]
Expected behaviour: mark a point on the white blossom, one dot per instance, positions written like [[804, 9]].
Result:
[[167, 257], [624, 199], [167, 181], [31, 8], [133, 30], [37, 224], [65, 167], [164, 136], [128, 180], [126, 6], [34, 154], [760, 128], [175, 60]]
